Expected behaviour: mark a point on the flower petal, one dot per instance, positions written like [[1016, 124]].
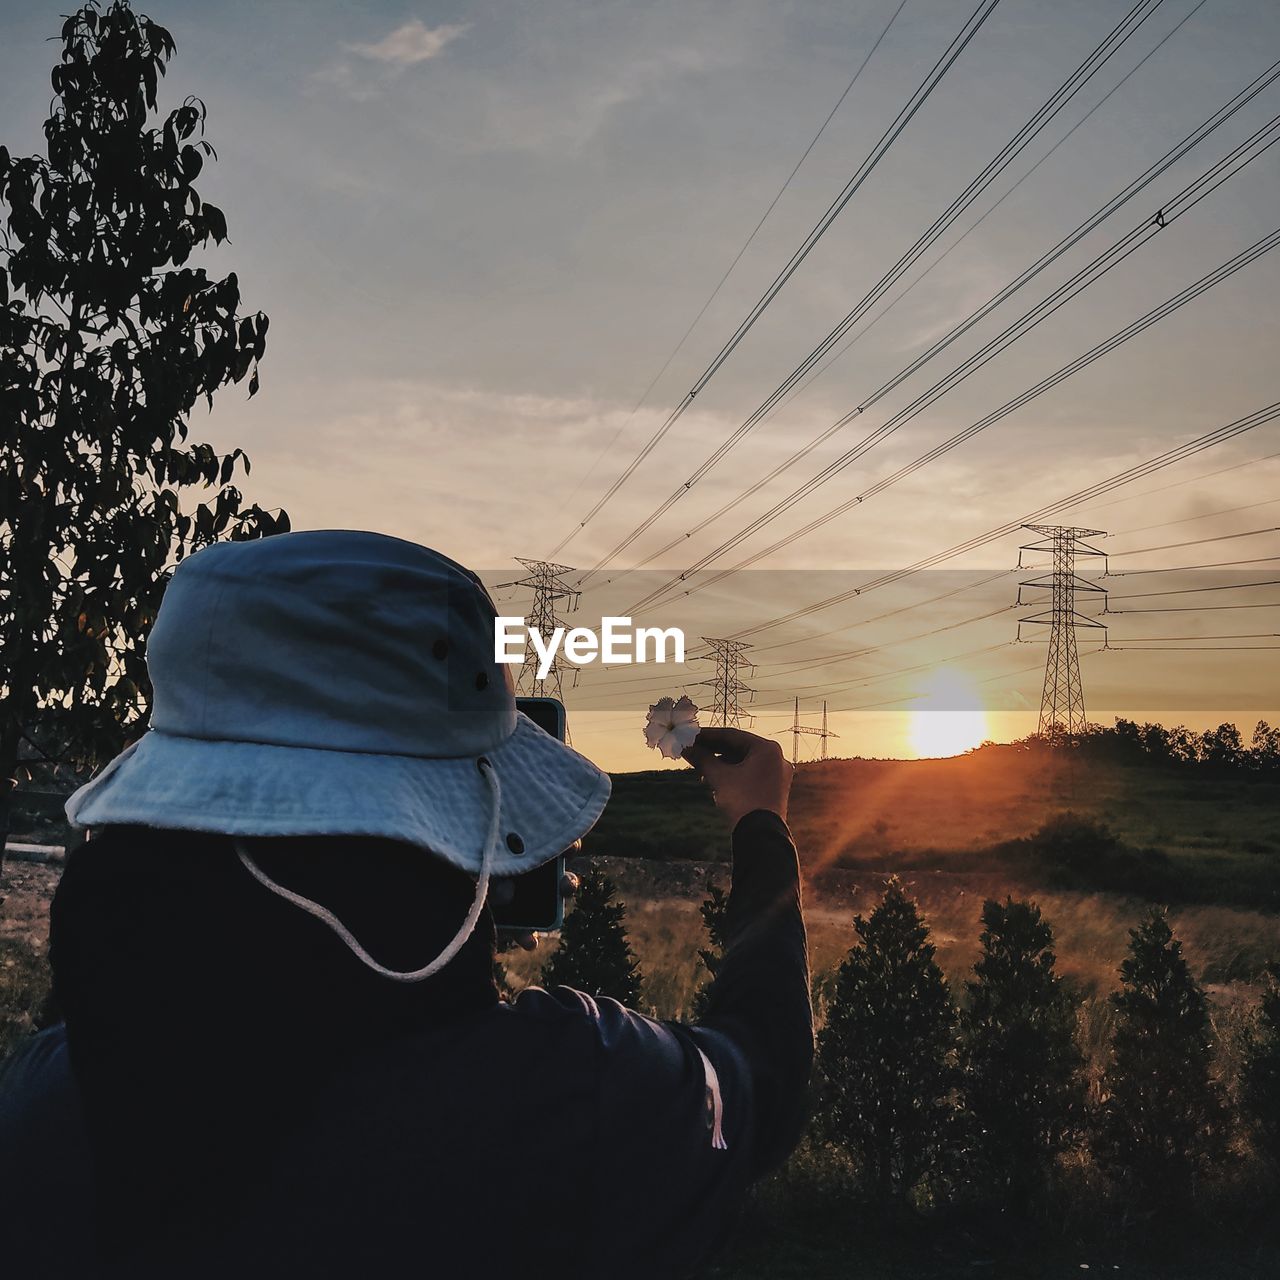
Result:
[[684, 711], [654, 731], [670, 746], [661, 710], [684, 734]]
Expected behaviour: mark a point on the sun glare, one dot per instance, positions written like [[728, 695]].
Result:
[[949, 719]]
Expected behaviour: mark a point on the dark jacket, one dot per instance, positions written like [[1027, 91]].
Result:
[[257, 1107]]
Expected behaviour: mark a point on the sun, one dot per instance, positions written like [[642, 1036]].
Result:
[[948, 720]]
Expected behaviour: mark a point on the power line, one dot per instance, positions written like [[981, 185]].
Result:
[[1117, 339], [737, 257], [1208, 648], [1196, 542], [1219, 435], [1197, 608], [1188, 568], [946, 253], [1139, 471], [1043, 262], [1254, 635], [1003, 158], [877, 153], [1204, 515], [1186, 591], [879, 617], [1178, 484]]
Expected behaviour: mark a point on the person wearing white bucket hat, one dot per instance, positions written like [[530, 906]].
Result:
[[288, 874]]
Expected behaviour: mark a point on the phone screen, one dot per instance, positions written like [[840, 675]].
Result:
[[534, 901]]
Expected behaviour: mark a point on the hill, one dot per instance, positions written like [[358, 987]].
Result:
[[1166, 832]]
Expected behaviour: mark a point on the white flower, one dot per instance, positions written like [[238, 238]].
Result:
[[672, 726]]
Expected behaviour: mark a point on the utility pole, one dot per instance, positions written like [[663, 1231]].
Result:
[[726, 685], [797, 729], [547, 582], [1062, 699]]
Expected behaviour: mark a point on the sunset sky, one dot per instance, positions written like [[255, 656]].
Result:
[[481, 229]]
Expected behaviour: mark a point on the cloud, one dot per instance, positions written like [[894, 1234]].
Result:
[[409, 44], [372, 67]]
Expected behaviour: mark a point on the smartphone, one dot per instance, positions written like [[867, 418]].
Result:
[[535, 903]]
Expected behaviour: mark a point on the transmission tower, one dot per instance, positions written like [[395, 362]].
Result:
[[797, 729], [726, 685], [1062, 700], [547, 582]]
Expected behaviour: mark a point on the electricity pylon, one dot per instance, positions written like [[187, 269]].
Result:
[[797, 729], [1062, 699], [726, 685], [547, 582]]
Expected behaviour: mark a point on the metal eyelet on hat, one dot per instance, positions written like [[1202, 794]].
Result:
[[514, 843], [482, 679], [482, 763], [440, 649]]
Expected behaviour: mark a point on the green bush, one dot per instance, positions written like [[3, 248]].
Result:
[[1162, 1122], [1023, 1083], [715, 918], [594, 955], [1260, 1075], [887, 1053]]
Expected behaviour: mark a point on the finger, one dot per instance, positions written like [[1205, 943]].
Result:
[[730, 745], [568, 884], [717, 737], [705, 763]]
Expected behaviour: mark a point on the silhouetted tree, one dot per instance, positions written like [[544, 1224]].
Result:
[[887, 1051], [1265, 748], [1162, 1121], [1023, 1083], [1223, 747], [715, 918], [594, 955], [107, 341], [1260, 1077]]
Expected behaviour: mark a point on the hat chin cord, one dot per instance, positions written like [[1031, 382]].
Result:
[[459, 939]]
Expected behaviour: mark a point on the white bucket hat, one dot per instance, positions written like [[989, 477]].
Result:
[[343, 683]]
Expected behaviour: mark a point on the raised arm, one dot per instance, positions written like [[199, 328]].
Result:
[[760, 997]]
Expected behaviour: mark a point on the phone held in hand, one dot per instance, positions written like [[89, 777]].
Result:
[[532, 902]]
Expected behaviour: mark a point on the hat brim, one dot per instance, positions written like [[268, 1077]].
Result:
[[551, 796]]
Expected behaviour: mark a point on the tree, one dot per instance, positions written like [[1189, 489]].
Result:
[[1260, 1082], [1023, 1082], [1265, 752], [594, 955], [715, 917], [1162, 1121], [1223, 747], [886, 1052], [108, 339]]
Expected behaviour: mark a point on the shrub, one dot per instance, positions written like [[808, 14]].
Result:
[[1260, 1077], [1162, 1120], [887, 1052], [1082, 853], [594, 955], [1023, 1083], [715, 917]]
